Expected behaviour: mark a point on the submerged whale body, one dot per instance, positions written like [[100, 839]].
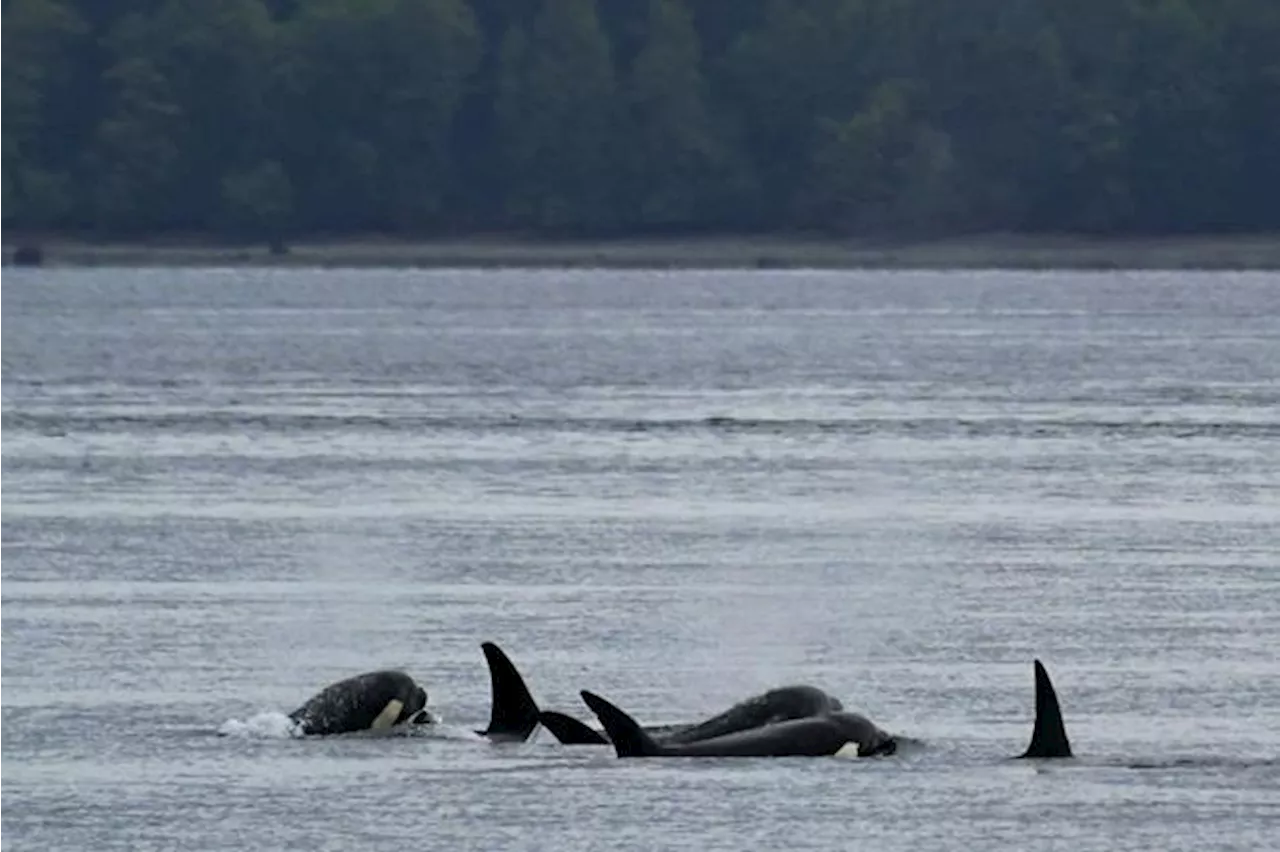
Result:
[[514, 714], [815, 736], [812, 736], [783, 704], [370, 701], [777, 705]]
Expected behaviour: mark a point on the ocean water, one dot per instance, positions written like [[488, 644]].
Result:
[[224, 489]]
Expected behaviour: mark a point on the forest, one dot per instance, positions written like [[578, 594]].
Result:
[[279, 119]]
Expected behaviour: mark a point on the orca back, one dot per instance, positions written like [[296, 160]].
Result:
[[776, 705], [810, 736]]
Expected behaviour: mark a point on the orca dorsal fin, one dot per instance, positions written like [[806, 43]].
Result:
[[628, 738], [1049, 736], [513, 713], [569, 730]]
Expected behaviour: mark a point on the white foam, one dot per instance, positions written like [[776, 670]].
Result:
[[271, 725], [441, 730], [268, 725]]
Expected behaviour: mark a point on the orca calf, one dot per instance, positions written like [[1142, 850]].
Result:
[[370, 701], [514, 714], [815, 736]]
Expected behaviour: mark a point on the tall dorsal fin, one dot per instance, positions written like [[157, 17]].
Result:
[[514, 713], [1049, 736], [629, 739]]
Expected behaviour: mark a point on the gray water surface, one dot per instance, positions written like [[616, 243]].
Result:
[[224, 489]]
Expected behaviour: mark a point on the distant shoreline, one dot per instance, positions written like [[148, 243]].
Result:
[[1247, 252]]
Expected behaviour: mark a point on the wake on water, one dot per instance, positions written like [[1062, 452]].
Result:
[[273, 725], [268, 725]]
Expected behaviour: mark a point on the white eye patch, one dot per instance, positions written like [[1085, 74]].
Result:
[[848, 751], [389, 714]]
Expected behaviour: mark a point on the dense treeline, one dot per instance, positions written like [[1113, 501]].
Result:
[[276, 118]]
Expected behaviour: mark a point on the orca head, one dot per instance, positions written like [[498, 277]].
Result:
[[369, 701], [1049, 735], [867, 738], [402, 698], [415, 707], [884, 747]]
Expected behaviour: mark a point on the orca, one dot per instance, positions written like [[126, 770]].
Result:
[[514, 714], [834, 733], [367, 702], [812, 736], [776, 705]]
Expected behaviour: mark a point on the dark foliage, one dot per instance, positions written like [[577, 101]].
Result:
[[266, 119]]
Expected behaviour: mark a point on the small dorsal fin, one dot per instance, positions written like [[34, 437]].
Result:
[[1049, 736], [514, 713], [569, 730], [628, 738]]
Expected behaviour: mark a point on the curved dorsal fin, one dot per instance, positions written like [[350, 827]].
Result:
[[628, 738], [1049, 736], [514, 713]]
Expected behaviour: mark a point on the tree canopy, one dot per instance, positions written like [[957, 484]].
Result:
[[261, 119]]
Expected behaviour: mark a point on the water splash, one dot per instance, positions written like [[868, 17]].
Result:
[[268, 725], [273, 725]]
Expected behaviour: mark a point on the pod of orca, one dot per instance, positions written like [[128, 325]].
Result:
[[791, 721]]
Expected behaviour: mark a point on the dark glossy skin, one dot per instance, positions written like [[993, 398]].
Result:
[[819, 735], [1049, 736], [777, 705], [373, 700], [514, 714], [813, 736]]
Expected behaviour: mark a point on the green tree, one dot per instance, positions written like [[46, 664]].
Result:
[[189, 101], [1250, 89], [136, 153], [374, 87], [41, 42], [257, 204], [884, 169], [800, 66], [1177, 118], [997, 84], [558, 116], [679, 164]]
